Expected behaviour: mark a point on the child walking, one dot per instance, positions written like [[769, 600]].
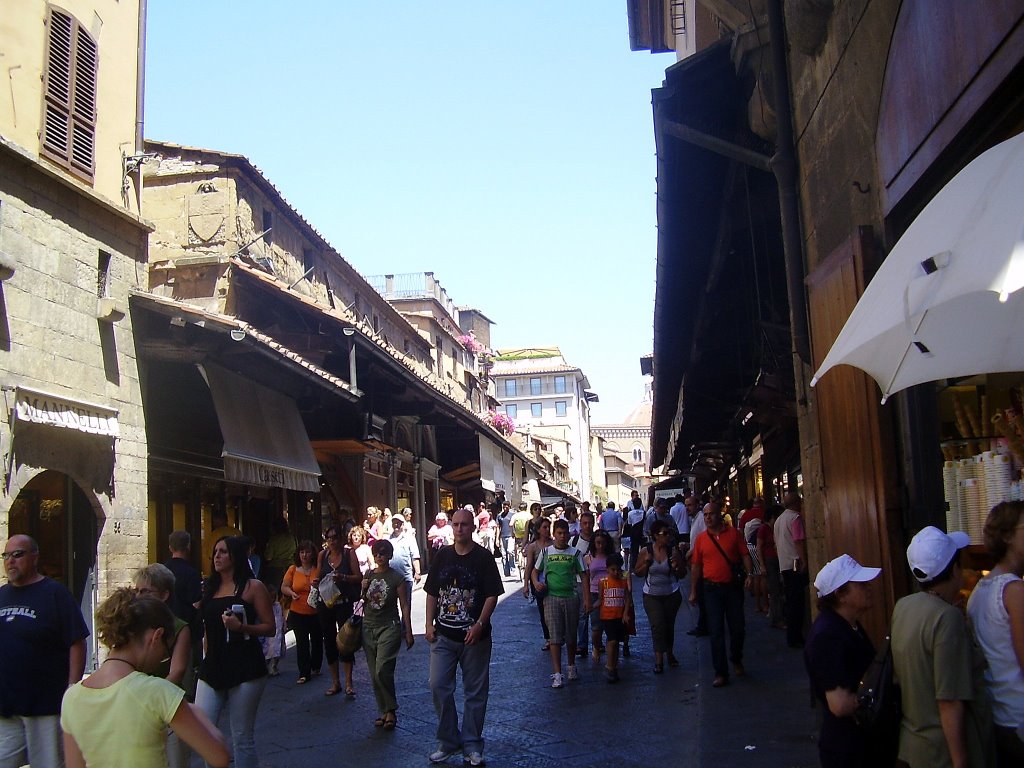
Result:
[[616, 600]]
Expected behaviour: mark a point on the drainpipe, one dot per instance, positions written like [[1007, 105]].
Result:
[[784, 166], [140, 99]]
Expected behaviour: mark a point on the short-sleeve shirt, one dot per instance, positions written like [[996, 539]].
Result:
[[380, 606], [789, 529], [461, 584], [406, 551], [301, 584], [936, 659], [560, 568], [611, 521], [613, 594], [714, 566], [766, 538], [123, 725], [39, 623], [836, 656]]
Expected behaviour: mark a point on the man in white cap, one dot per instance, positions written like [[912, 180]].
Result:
[[837, 653], [406, 559], [946, 717]]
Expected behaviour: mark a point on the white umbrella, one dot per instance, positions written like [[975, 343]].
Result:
[[946, 301]]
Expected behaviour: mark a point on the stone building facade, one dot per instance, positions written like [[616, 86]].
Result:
[[72, 246]]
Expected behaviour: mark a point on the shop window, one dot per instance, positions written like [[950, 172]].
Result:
[[69, 105]]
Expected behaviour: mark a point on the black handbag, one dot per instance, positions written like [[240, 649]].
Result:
[[878, 694]]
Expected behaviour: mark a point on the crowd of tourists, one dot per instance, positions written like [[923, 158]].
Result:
[[184, 653]]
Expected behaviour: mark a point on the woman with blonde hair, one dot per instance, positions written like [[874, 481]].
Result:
[[118, 716]]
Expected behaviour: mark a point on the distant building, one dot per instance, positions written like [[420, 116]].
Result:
[[627, 449], [549, 399]]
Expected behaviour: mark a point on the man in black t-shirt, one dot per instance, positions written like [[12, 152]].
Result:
[[188, 588], [42, 644], [462, 591]]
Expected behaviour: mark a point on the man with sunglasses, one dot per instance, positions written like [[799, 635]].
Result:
[[42, 644]]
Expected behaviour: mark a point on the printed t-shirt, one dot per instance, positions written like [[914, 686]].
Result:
[[38, 625], [380, 606], [613, 598], [560, 568], [123, 725], [713, 564], [461, 584]]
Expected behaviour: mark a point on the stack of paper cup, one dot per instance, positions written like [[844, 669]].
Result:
[[965, 470], [973, 489], [998, 474], [949, 490]]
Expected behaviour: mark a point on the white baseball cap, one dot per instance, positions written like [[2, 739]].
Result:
[[397, 518], [931, 550], [441, 516], [840, 571]]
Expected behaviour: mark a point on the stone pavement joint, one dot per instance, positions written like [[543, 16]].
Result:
[[672, 719]]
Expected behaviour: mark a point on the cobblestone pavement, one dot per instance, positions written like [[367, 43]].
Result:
[[672, 719]]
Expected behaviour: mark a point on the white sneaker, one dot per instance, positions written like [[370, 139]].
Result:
[[557, 681], [573, 674], [473, 758], [441, 754]]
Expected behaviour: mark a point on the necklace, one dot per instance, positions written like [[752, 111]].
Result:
[[123, 661]]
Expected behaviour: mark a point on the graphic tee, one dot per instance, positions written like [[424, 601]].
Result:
[[38, 625], [560, 568], [380, 606], [613, 598], [461, 584]]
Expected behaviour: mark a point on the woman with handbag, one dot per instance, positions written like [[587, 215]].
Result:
[[661, 566], [721, 562], [837, 653], [303, 620], [384, 590], [340, 564]]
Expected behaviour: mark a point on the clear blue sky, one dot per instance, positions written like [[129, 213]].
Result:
[[507, 147]]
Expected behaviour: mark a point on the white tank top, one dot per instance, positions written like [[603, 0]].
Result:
[[992, 628]]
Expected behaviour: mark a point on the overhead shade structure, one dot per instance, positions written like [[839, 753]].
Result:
[[948, 299], [265, 441]]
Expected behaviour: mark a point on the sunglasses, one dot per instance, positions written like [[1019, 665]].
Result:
[[15, 555]]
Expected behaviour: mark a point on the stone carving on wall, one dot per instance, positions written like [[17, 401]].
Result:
[[207, 215]]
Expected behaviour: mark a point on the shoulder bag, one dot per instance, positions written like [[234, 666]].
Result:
[[739, 573]]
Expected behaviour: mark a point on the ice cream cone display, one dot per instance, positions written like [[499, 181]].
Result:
[[963, 424], [1014, 440], [949, 489]]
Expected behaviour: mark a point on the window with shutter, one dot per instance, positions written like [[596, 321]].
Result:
[[69, 108]]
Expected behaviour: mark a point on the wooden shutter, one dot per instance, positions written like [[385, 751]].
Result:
[[69, 119]]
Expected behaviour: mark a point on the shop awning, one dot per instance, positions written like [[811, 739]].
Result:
[[265, 441]]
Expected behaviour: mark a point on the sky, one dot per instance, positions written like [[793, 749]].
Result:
[[506, 147]]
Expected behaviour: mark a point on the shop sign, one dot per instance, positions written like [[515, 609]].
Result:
[[54, 411]]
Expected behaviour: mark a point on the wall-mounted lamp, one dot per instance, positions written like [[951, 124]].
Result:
[[349, 331], [237, 334]]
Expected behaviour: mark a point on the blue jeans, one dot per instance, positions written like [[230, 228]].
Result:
[[583, 628], [508, 554], [724, 605], [242, 702], [475, 662]]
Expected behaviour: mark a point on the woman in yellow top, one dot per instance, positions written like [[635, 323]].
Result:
[[118, 716]]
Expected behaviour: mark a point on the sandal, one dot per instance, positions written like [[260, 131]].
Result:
[[302, 681], [350, 692], [658, 669], [334, 690], [390, 721], [379, 722]]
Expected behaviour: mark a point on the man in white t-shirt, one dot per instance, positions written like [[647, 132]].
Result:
[[581, 541], [791, 542]]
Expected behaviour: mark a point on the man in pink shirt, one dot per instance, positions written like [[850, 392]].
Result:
[[791, 542]]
